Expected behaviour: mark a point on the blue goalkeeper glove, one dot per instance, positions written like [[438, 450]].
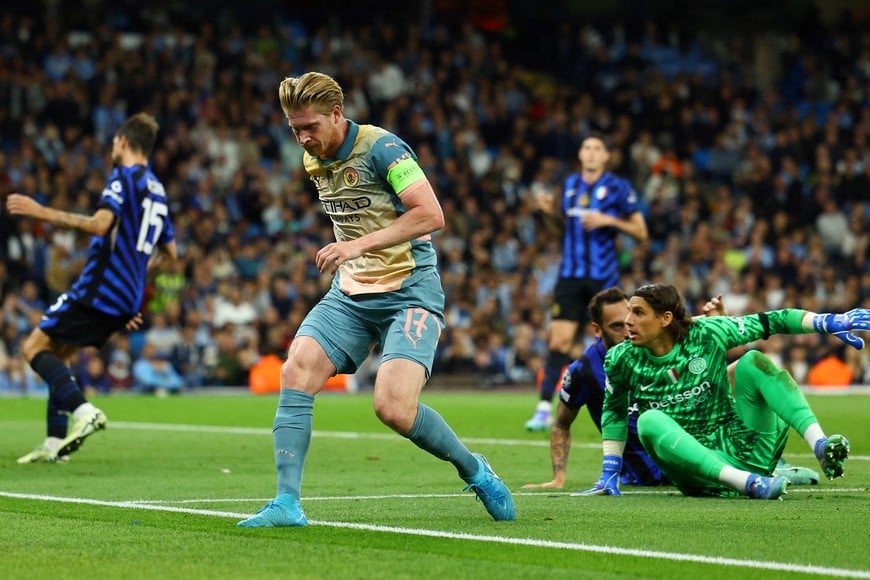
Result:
[[840, 325], [608, 483]]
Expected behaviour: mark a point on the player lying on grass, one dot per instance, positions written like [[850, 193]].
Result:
[[707, 442], [583, 384]]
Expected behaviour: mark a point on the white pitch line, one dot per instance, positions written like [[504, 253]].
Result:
[[674, 556], [326, 434], [219, 430], [541, 493]]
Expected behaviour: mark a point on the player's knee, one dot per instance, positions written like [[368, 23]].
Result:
[[295, 376], [760, 361], [31, 346], [649, 424], [396, 416]]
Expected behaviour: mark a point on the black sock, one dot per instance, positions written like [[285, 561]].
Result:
[[62, 385], [55, 421], [556, 361]]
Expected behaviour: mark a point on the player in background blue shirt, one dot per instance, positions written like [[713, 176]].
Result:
[[594, 208], [131, 232], [583, 384]]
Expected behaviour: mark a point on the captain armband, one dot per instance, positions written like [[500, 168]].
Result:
[[404, 173]]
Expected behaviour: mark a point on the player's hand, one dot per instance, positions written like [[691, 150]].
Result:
[[608, 483], [330, 257], [714, 307], [134, 323], [842, 325], [552, 484], [592, 220], [17, 204], [543, 200]]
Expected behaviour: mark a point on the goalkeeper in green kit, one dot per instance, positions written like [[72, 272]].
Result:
[[707, 442]]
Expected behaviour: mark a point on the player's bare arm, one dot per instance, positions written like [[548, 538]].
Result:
[[97, 224], [634, 226], [560, 446], [165, 255], [423, 217]]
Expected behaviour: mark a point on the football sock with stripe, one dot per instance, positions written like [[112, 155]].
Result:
[[62, 386], [55, 422]]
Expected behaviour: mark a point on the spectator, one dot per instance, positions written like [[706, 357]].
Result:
[[153, 373]]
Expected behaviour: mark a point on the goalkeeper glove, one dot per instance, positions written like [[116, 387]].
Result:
[[608, 483], [840, 325]]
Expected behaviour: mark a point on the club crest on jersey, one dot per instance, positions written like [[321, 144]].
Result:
[[697, 366], [350, 177], [601, 192]]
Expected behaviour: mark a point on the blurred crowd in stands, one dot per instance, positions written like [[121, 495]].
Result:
[[750, 153]]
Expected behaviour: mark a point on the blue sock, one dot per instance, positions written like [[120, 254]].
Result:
[[291, 433], [430, 432]]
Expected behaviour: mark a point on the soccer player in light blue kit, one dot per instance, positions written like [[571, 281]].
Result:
[[386, 291], [707, 442], [131, 233]]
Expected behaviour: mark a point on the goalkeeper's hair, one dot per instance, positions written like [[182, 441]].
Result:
[[666, 298], [312, 89], [612, 295]]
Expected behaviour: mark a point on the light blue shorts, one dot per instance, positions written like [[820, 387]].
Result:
[[406, 324]]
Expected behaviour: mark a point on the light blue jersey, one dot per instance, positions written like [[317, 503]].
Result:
[[391, 297]]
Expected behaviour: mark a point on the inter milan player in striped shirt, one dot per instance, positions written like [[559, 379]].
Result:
[[595, 207], [131, 232]]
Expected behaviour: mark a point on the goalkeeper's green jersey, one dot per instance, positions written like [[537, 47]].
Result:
[[690, 383]]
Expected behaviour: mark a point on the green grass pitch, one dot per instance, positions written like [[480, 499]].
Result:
[[157, 495]]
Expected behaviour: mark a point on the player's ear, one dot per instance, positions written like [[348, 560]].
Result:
[[596, 329], [666, 318]]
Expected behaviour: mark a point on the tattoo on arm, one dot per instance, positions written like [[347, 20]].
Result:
[[68, 220], [560, 445], [96, 224]]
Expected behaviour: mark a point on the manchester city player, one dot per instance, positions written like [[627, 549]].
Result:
[[386, 290]]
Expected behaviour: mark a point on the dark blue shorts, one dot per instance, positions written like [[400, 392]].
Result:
[[571, 297], [69, 322]]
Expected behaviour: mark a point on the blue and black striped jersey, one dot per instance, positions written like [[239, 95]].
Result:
[[592, 254], [113, 279]]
